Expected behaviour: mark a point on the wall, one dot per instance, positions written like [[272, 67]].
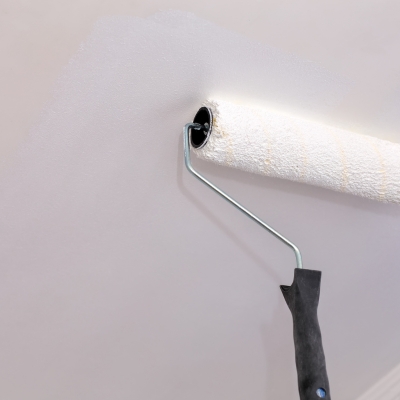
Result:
[[123, 277]]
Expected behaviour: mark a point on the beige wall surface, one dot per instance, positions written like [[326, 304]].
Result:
[[105, 290]]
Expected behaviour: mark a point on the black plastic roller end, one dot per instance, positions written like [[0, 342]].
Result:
[[199, 137]]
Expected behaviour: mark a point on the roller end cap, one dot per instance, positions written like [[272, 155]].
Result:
[[199, 137]]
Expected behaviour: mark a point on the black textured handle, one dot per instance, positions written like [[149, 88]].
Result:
[[302, 297]]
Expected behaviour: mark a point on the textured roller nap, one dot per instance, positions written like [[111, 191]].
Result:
[[274, 144]]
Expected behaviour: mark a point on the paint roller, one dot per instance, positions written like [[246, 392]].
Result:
[[271, 143]]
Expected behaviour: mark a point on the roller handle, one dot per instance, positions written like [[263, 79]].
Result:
[[302, 297]]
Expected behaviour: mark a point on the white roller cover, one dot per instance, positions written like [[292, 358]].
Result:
[[270, 143]]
